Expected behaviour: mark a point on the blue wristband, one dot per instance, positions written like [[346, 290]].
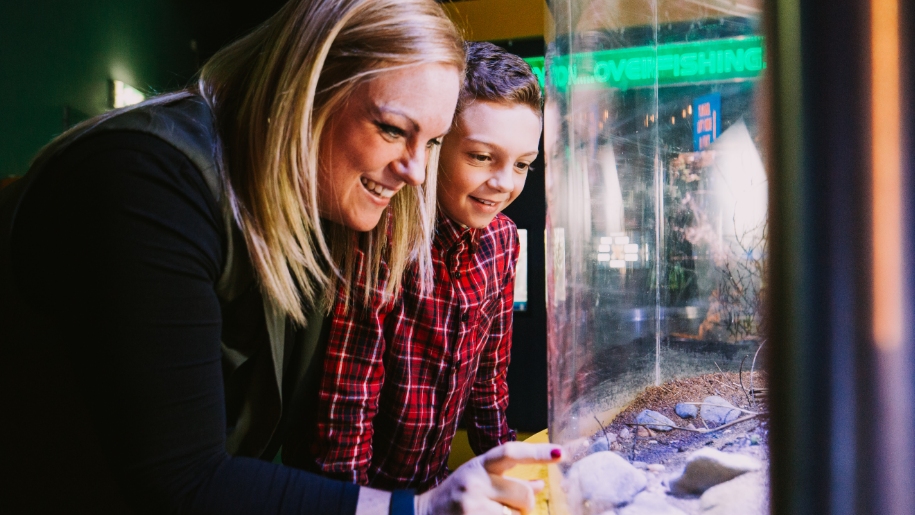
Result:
[[402, 502]]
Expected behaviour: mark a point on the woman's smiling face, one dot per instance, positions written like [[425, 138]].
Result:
[[485, 160], [380, 139]]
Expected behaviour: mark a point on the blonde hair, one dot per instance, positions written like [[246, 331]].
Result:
[[273, 92]]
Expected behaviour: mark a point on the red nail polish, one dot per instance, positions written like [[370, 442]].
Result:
[[556, 453]]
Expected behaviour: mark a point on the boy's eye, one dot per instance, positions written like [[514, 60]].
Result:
[[523, 167], [434, 142], [391, 131], [480, 158]]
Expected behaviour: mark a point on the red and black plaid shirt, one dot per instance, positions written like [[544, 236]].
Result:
[[398, 377]]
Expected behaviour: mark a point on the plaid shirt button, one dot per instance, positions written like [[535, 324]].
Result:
[[465, 317]]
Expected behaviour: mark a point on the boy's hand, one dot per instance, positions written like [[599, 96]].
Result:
[[478, 487]]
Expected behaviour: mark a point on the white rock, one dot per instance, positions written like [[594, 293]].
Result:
[[709, 467], [685, 410], [744, 495], [604, 480], [576, 447], [624, 433], [603, 442], [655, 420], [650, 504], [717, 410]]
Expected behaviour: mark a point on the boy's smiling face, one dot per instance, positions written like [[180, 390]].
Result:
[[485, 159]]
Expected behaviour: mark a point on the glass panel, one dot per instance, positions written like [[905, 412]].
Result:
[[656, 236]]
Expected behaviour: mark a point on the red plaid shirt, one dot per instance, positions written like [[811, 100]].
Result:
[[398, 377]]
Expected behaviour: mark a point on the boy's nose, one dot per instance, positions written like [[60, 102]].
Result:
[[502, 179]]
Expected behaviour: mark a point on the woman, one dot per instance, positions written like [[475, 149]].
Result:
[[163, 270]]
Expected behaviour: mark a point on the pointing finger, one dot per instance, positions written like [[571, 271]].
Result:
[[501, 458]]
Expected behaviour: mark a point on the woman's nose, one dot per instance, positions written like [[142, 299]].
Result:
[[411, 168]]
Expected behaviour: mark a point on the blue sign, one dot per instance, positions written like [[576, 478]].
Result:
[[706, 120]]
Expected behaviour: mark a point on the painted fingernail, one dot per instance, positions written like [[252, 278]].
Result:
[[556, 453]]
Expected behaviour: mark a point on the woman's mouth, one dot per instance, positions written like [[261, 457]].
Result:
[[376, 189]]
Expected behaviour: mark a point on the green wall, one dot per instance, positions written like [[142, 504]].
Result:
[[56, 54]]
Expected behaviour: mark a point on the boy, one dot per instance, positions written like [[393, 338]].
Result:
[[399, 376]]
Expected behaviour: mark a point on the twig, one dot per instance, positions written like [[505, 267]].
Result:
[[729, 424], [719, 381], [635, 440], [719, 368], [720, 406], [753, 365], [634, 424], [740, 375], [604, 430], [701, 431]]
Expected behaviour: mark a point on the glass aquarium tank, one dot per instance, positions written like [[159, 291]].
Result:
[[656, 255]]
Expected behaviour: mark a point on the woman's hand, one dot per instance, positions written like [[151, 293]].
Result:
[[478, 487]]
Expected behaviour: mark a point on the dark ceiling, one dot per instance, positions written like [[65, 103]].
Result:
[[215, 23]]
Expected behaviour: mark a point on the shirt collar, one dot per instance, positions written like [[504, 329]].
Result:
[[449, 233]]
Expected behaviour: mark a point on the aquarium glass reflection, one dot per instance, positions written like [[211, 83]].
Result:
[[657, 205]]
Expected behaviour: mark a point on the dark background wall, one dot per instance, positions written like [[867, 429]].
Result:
[[57, 56], [527, 373]]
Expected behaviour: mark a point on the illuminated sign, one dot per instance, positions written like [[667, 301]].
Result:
[[715, 60], [706, 120], [521, 273]]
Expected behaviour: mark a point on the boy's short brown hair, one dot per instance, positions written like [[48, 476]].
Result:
[[495, 75]]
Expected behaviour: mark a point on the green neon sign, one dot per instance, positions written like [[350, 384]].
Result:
[[715, 60]]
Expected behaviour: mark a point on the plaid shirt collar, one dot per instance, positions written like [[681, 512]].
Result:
[[448, 234]]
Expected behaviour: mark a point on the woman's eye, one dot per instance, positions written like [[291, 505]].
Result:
[[480, 158], [434, 143], [523, 167], [391, 130]]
